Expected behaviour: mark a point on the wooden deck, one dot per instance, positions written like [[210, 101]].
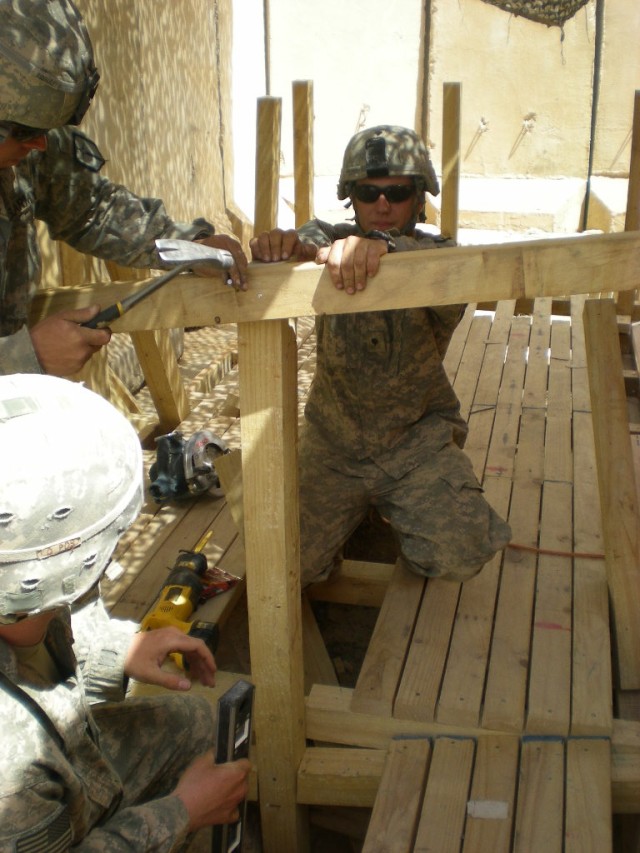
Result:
[[524, 646], [512, 667]]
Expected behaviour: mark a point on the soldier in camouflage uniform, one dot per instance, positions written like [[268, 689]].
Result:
[[383, 425], [50, 171], [81, 769]]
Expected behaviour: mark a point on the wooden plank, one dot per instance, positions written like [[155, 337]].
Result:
[[625, 767], [268, 132], [267, 360], [159, 364], [534, 394], [491, 806], [420, 685], [464, 681], [330, 718], [451, 95], [338, 776], [303, 169], [229, 471], [505, 693], [591, 686], [625, 301], [354, 582], [318, 668], [462, 691], [558, 451], [549, 704], [392, 829], [550, 664], [471, 363], [482, 409], [588, 796], [540, 807], [501, 442], [380, 673], [441, 826], [406, 279], [457, 343], [618, 495], [505, 696]]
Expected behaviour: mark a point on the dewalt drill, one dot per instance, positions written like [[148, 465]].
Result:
[[179, 597]]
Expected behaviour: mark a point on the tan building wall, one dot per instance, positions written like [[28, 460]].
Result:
[[177, 103], [527, 90]]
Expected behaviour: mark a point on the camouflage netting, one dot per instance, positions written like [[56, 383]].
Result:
[[553, 13]]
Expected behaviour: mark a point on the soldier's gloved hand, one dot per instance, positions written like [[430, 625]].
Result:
[[62, 345]]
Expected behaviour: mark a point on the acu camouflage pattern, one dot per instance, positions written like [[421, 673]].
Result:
[[384, 428], [93, 777], [46, 62], [63, 187]]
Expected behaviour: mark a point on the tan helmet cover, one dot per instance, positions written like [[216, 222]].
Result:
[[387, 150], [47, 72], [70, 484]]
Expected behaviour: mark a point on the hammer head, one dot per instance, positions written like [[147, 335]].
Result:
[[185, 253]]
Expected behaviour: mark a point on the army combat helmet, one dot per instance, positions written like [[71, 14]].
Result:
[[70, 484], [47, 71], [387, 150]]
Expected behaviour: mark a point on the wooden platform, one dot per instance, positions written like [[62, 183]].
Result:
[[507, 678], [493, 794], [524, 646]]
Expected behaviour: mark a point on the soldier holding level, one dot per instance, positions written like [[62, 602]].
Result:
[[383, 425], [50, 171], [80, 768]]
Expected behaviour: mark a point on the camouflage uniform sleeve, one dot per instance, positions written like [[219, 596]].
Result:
[[323, 234], [159, 825], [100, 645], [17, 354], [93, 214]]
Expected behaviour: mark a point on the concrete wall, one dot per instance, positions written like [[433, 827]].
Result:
[[176, 109], [527, 89]]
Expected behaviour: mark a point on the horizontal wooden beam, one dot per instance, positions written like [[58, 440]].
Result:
[[554, 267], [350, 776]]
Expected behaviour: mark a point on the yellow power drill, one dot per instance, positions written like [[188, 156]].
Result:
[[179, 597]]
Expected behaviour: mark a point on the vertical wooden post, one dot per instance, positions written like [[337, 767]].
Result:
[[268, 369], [450, 160], [303, 150], [626, 299], [267, 361], [618, 497], [267, 163]]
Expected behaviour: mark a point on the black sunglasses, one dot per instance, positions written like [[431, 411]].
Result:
[[19, 132], [394, 194]]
